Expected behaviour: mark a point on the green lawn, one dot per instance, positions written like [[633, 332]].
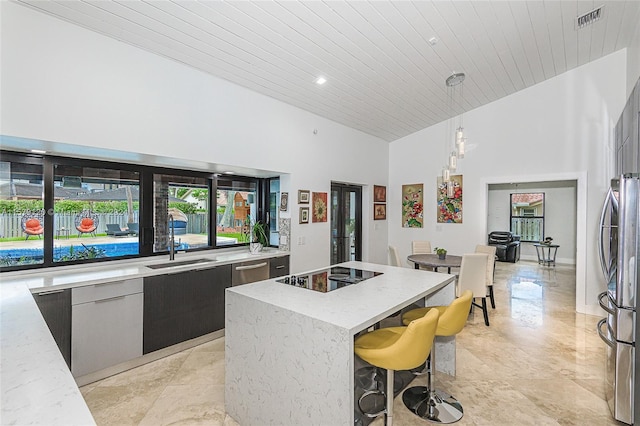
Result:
[[242, 238]]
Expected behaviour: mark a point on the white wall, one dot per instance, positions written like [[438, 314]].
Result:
[[560, 129], [560, 217], [63, 83]]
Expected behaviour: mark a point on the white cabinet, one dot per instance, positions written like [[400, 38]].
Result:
[[106, 325]]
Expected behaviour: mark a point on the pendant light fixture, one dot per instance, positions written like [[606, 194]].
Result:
[[451, 189], [454, 85], [455, 82]]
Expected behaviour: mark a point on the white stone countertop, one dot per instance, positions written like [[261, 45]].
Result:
[[353, 307], [36, 384], [79, 275]]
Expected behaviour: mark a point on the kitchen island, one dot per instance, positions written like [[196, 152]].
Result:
[[289, 350]]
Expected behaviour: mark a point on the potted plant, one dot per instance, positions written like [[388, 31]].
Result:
[[442, 253], [258, 237]]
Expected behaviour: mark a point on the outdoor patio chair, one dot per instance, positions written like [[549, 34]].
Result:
[[32, 224], [86, 223], [133, 228], [114, 230]]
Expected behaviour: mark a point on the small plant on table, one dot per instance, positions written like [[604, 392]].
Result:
[[441, 252]]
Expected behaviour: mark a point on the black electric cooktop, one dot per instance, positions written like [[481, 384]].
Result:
[[328, 279]]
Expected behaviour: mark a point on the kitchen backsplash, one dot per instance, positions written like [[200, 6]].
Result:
[[284, 225]]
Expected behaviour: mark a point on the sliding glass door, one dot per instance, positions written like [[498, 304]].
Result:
[[346, 223]]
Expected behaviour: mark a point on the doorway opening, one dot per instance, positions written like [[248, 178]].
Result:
[[575, 242], [346, 222]]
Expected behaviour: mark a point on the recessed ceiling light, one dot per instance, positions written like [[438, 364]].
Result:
[[433, 41], [321, 80], [228, 172], [38, 151]]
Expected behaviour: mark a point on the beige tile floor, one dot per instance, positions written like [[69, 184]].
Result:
[[539, 363]]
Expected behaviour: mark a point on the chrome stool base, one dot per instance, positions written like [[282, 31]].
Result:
[[371, 380], [436, 406]]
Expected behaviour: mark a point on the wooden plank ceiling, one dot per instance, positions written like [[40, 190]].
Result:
[[384, 75]]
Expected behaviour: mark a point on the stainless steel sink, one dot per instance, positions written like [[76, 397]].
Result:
[[174, 263]]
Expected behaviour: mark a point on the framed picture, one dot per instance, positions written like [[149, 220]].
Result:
[[449, 200], [304, 214], [284, 201], [303, 196], [412, 206], [379, 211], [379, 194], [319, 206]]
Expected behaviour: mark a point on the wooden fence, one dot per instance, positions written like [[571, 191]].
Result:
[[10, 223]]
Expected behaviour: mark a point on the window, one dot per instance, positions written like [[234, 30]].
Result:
[[22, 214], [527, 216], [180, 202], [60, 211], [237, 209], [96, 212], [274, 211]]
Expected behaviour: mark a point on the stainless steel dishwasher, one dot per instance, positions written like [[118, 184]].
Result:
[[249, 272]]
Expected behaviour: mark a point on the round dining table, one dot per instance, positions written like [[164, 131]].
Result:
[[434, 261]]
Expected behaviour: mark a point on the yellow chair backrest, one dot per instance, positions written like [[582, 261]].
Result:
[[410, 348], [413, 348], [454, 317]]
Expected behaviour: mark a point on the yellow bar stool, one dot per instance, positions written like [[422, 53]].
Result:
[[427, 402], [397, 348]]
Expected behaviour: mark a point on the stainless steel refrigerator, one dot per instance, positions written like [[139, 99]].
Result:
[[619, 248]]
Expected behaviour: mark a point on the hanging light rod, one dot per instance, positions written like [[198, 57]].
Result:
[[455, 79]]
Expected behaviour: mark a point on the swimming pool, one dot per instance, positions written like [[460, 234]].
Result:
[[107, 250], [110, 250]]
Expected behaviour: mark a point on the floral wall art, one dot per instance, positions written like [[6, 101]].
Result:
[[319, 207], [450, 208], [412, 206]]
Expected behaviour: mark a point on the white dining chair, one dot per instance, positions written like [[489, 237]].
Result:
[[394, 257], [421, 247], [491, 264], [473, 273]]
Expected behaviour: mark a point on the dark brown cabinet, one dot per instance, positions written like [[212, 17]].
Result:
[[278, 266], [182, 306], [55, 307]]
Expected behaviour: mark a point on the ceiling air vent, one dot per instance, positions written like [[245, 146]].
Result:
[[589, 18]]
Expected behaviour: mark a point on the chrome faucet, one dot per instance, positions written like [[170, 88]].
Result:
[[172, 240]]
